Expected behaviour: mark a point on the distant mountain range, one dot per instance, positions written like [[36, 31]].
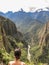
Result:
[[21, 16]]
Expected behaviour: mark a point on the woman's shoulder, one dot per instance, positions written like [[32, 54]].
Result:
[[22, 63], [11, 62]]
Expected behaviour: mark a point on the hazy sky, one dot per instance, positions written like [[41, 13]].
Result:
[[15, 5]]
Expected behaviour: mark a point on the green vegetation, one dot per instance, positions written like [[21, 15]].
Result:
[[4, 56]]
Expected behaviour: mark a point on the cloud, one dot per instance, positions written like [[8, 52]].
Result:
[[15, 5]]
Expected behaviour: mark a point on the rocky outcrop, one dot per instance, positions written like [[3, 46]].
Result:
[[8, 33], [44, 34], [44, 43]]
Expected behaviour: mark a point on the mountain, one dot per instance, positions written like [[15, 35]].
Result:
[[44, 43], [20, 16], [40, 52], [31, 30], [42, 16], [43, 36], [29, 22], [9, 34], [39, 14]]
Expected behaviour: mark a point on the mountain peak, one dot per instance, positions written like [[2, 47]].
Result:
[[42, 9], [33, 9], [9, 12], [21, 10]]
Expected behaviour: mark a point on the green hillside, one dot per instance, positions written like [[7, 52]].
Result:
[[31, 31]]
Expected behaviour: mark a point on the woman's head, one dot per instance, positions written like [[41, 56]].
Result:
[[17, 53]]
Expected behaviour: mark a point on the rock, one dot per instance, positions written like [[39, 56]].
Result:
[[8, 33]]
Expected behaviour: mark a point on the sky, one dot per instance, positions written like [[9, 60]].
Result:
[[26, 5]]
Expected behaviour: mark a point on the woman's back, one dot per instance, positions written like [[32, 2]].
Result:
[[17, 54], [16, 63]]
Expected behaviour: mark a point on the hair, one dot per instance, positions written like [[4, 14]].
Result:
[[17, 53]]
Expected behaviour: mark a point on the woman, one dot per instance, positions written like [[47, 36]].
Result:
[[17, 54]]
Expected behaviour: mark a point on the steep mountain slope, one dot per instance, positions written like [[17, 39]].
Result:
[[29, 25], [40, 52], [8, 34], [44, 43], [45, 33], [31, 30]]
